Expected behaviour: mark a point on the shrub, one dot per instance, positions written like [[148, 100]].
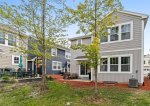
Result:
[[5, 79]]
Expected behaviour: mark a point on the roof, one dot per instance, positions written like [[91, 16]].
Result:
[[143, 16], [80, 58]]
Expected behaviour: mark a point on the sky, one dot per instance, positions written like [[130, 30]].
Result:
[[140, 6]]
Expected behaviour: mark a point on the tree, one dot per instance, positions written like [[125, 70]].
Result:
[[41, 20], [93, 18]]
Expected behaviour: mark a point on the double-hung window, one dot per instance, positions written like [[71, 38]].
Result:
[[125, 32], [54, 52], [114, 33], [15, 60], [104, 65], [11, 40], [56, 65], [2, 38], [114, 64], [125, 64]]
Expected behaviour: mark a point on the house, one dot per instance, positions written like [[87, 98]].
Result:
[[146, 64], [8, 41], [60, 61], [122, 50]]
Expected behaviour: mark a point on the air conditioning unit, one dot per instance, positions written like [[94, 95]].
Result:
[[133, 83]]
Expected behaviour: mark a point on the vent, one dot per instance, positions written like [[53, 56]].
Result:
[[133, 83]]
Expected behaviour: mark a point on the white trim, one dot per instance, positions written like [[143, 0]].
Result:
[[121, 50], [81, 59], [57, 65], [69, 55], [13, 59], [119, 64], [119, 33], [142, 54]]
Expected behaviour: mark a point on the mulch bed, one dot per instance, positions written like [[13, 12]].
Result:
[[79, 84]]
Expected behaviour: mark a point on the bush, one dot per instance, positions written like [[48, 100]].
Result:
[[5, 79], [14, 80], [70, 76]]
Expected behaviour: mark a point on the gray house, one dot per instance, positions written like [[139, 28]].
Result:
[[8, 40], [60, 61], [122, 50]]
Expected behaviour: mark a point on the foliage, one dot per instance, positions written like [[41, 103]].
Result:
[[93, 18], [43, 21], [5, 78], [60, 94]]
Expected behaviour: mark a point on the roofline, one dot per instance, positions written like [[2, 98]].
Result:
[[78, 37], [135, 14]]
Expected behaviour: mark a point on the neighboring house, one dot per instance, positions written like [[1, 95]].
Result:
[[60, 61], [8, 40], [146, 64], [122, 50]]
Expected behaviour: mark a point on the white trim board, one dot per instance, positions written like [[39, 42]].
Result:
[[122, 50]]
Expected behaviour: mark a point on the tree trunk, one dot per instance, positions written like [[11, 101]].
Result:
[[44, 81], [96, 88]]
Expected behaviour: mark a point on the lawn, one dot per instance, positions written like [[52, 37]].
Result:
[[61, 94]]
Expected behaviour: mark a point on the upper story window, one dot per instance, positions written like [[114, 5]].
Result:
[[119, 33], [79, 41], [2, 38], [125, 32], [15, 60], [11, 40], [67, 55], [54, 52], [114, 36]]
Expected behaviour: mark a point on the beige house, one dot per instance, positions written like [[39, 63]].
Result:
[[8, 40], [122, 50], [146, 64]]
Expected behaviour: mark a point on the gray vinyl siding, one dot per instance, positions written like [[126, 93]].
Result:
[[74, 53], [123, 77], [6, 57], [137, 34], [133, 47]]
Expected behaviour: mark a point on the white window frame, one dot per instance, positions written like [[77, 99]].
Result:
[[13, 63], [57, 65], [4, 38], [54, 50], [119, 64], [80, 72], [14, 37], [77, 42], [119, 33], [67, 54]]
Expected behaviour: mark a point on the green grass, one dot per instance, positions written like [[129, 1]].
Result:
[[60, 94]]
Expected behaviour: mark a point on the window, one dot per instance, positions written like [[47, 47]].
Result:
[[84, 69], [54, 52], [114, 36], [2, 38], [11, 40], [67, 55], [144, 61], [15, 60], [125, 64], [56, 65], [104, 64], [114, 64], [79, 42], [104, 39], [125, 32]]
